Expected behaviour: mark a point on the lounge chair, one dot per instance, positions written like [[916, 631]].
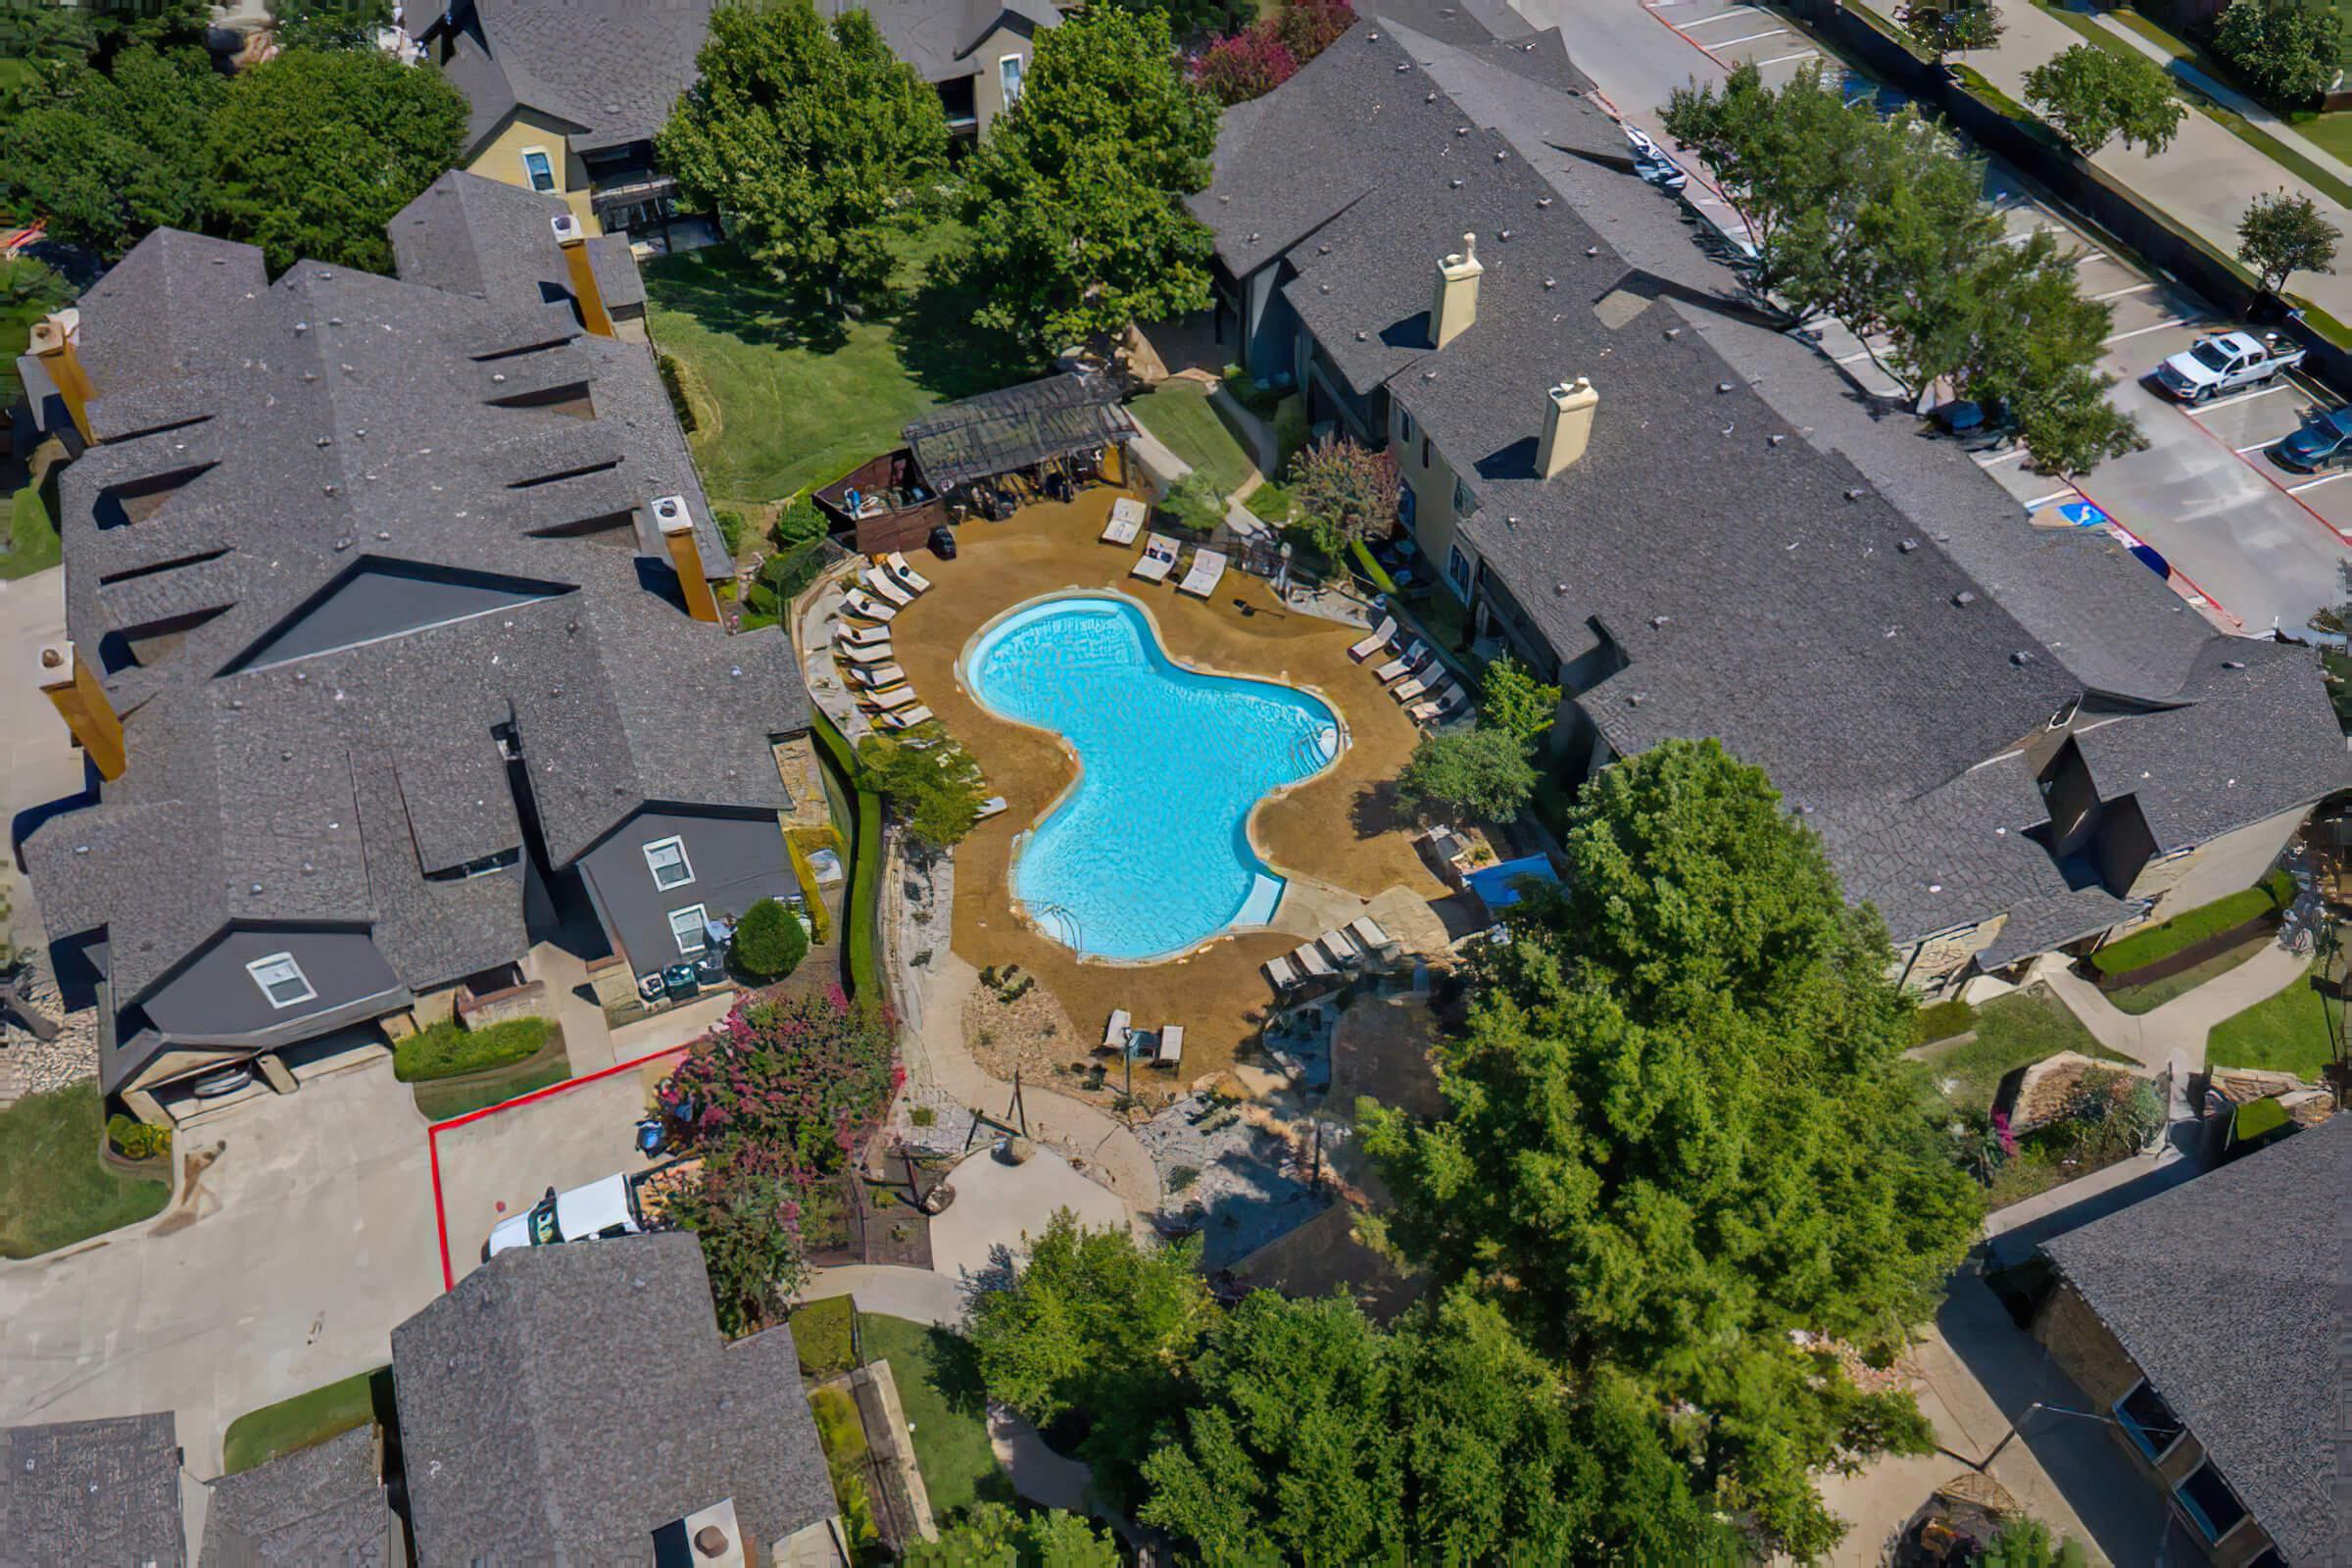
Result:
[[867, 607], [1310, 962], [1367, 931], [1157, 560], [1285, 978], [1126, 520], [896, 696], [1209, 568], [989, 807], [1171, 1046], [1343, 952], [1382, 635], [889, 587], [914, 581], [1404, 663], [906, 718], [1115, 1032], [859, 636], [875, 677], [1405, 691], [1446, 704], [879, 653]]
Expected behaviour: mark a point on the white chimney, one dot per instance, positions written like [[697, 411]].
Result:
[[1456, 304], [1567, 426]]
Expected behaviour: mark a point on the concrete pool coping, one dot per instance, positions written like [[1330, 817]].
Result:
[[1160, 638]]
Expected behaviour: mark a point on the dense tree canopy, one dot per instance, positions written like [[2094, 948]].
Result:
[[108, 155], [806, 134], [1947, 27], [989, 1534], [1480, 776], [1073, 199], [315, 151], [1344, 492], [2282, 233], [1512, 700], [2285, 49], [934, 790], [1679, 1130], [2093, 96]]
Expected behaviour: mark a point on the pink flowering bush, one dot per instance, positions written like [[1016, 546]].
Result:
[[1261, 57]]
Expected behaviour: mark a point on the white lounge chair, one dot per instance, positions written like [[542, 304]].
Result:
[[1310, 962], [896, 696], [889, 587], [915, 580], [989, 807], [1157, 560], [1282, 975], [1367, 931], [1448, 704], [1115, 1032], [904, 718], [1171, 1046], [1343, 952], [1126, 520], [879, 653], [865, 605], [1208, 566], [875, 676], [859, 636], [1404, 663], [1405, 691], [1381, 636]]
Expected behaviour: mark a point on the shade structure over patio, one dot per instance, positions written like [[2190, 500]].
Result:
[[1019, 426]]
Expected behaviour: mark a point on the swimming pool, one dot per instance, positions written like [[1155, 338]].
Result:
[[1150, 853]]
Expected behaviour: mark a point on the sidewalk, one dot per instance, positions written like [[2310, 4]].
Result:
[[2180, 1027], [2206, 176]]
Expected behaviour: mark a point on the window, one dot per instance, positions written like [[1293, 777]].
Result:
[[281, 979], [667, 860], [1457, 569], [1405, 426], [539, 169], [2153, 1427], [1461, 498], [1425, 451], [1008, 74], [686, 925], [2208, 1501], [1408, 503]]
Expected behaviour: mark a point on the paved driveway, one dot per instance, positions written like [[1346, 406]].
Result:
[[286, 1266]]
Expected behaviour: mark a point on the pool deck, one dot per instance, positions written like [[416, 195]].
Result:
[[1336, 837]]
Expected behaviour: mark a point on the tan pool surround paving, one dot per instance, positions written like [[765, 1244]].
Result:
[[1336, 837]]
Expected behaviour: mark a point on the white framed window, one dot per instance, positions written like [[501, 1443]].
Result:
[[1008, 77], [539, 169], [1457, 570], [686, 925], [281, 980], [667, 860]]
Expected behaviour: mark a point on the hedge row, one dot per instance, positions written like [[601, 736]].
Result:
[[865, 864], [2141, 948], [448, 1048]]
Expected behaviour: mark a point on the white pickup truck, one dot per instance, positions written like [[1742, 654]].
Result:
[[621, 1204], [2227, 362]]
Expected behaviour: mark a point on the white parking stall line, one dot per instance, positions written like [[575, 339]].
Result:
[[1730, 11], [1750, 37], [2039, 503], [1781, 60], [2141, 331], [2255, 447], [2199, 411], [2119, 293], [2001, 457], [2314, 484]]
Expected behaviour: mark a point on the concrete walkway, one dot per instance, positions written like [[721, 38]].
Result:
[[2177, 1029], [917, 1295]]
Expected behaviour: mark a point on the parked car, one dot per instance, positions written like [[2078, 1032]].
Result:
[[2227, 362], [2324, 442], [620, 1205]]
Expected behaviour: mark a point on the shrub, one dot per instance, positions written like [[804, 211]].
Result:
[[449, 1047], [1346, 492], [133, 1139], [769, 942], [1289, 429], [1945, 1020], [821, 1331], [1248, 65], [799, 521], [1193, 505], [2143, 948], [730, 529], [922, 1117]]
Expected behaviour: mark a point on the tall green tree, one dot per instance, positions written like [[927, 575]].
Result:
[[1512, 700], [1344, 492], [315, 152], [2093, 96], [1074, 198], [2285, 49], [1482, 775], [2281, 234], [329, 24], [989, 1534], [1679, 1130], [806, 134], [1951, 27], [1097, 1329], [107, 155]]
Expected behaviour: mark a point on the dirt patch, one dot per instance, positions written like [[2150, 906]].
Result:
[[1033, 1035]]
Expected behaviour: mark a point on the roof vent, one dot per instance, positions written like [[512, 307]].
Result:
[[1429, 98], [1723, 386], [1672, 332], [1455, 183], [2234, 664], [1907, 546], [1855, 495], [1404, 66], [1591, 250], [2022, 658], [1964, 598], [1323, 249], [1503, 235], [566, 228], [1501, 155], [1542, 201], [1773, 440]]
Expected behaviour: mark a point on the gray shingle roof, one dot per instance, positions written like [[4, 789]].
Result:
[[2228, 1292], [92, 1491], [563, 1402], [364, 441], [937, 37], [318, 1507], [612, 68], [1855, 607]]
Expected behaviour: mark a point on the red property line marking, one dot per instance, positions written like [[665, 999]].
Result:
[[432, 1135], [2194, 586], [2265, 475]]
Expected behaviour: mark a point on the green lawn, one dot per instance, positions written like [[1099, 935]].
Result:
[[443, 1097], [54, 1191], [449, 1048], [941, 1391], [2012, 1032], [1181, 415], [2138, 1000], [788, 394], [307, 1419], [2153, 944], [33, 543], [2286, 1033]]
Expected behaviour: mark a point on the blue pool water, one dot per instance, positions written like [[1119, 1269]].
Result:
[[1149, 854]]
